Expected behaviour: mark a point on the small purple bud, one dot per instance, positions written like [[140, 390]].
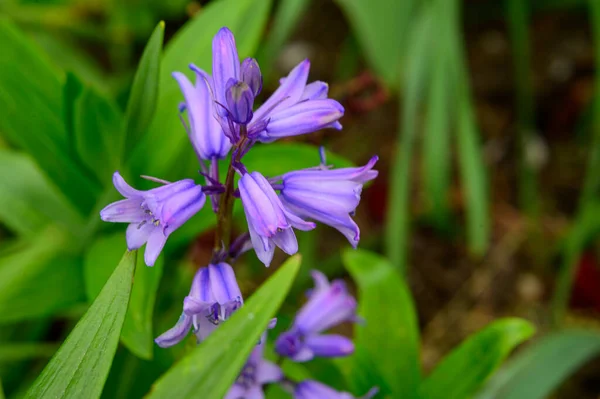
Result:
[[240, 100], [251, 75], [310, 389], [226, 64]]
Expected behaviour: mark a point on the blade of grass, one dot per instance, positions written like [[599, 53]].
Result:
[[397, 228], [517, 13], [471, 166], [587, 214]]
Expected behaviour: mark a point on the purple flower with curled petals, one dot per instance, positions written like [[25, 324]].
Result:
[[213, 298], [328, 305], [154, 214], [203, 129], [310, 389], [328, 196], [269, 223], [256, 372], [294, 108]]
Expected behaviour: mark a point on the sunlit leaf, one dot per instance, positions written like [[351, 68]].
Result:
[[536, 371], [105, 252], [461, 373], [80, 367], [390, 328]]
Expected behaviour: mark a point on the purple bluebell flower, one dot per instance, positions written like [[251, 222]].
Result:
[[328, 196], [154, 214], [204, 131], [328, 305], [310, 389], [213, 298], [254, 375], [294, 108], [269, 223]]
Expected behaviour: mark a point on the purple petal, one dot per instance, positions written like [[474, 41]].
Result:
[[286, 240], [226, 64], [263, 246], [194, 306], [124, 211], [330, 345], [236, 392], [254, 392], [205, 132], [320, 279], [201, 286], [287, 94], [137, 235], [205, 329], [223, 284], [358, 175], [315, 91], [261, 205], [302, 118], [328, 196], [181, 207], [268, 372], [326, 309], [125, 189], [310, 389], [154, 245], [250, 74], [295, 221], [175, 334]]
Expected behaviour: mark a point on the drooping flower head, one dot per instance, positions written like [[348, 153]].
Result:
[[310, 389], [269, 223], [328, 196], [154, 214], [328, 305], [256, 372], [294, 108], [204, 131], [213, 298]]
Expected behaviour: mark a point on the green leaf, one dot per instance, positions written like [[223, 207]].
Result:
[[375, 23], [211, 367], [166, 142], [38, 279], [144, 92], [98, 128], [31, 115], [28, 202], [537, 370], [461, 373], [416, 73], [81, 365], [137, 333], [391, 328]]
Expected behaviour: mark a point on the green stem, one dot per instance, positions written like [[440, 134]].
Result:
[[224, 216]]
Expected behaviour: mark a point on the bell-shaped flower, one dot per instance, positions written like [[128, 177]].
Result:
[[213, 298], [269, 224], [154, 214], [294, 108], [256, 372], [328, 196], [328, 306], [310, 389], [205, 132]]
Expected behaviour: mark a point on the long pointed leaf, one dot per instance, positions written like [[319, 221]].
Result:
[[80, 367]]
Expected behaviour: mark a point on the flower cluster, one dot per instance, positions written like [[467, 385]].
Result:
[[222, 124]]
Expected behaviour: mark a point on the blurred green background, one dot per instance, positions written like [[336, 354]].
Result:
[[485, 115]]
